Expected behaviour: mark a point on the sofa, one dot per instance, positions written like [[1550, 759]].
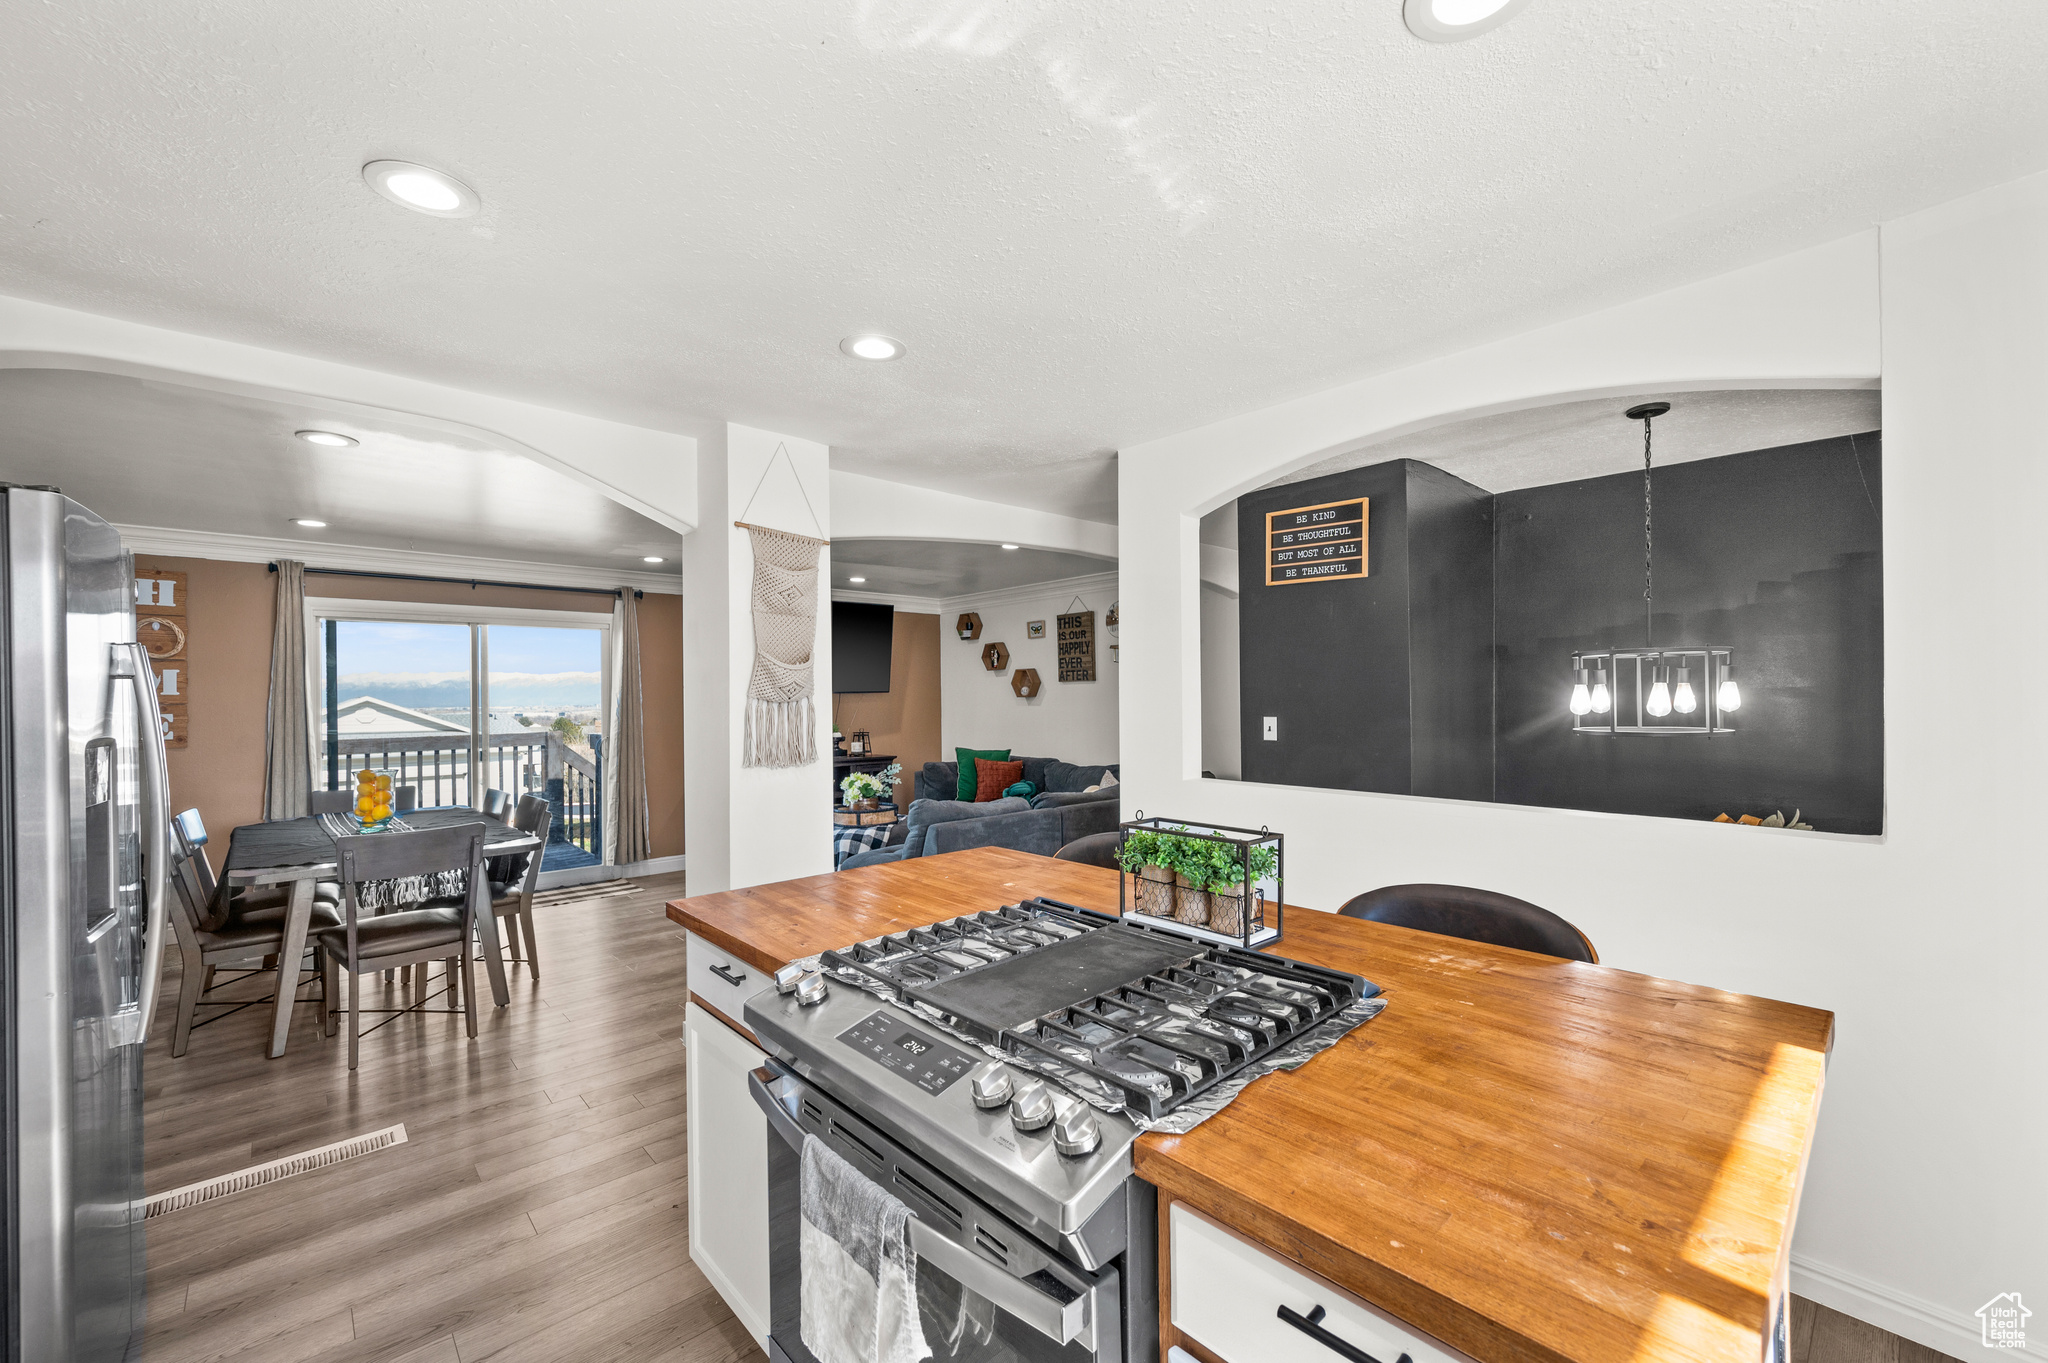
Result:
[[937, 823], [941, 780]]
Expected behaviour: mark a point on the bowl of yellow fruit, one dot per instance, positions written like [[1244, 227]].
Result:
[[373, 799]]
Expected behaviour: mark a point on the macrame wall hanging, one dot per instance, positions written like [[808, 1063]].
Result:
[[781, 727]]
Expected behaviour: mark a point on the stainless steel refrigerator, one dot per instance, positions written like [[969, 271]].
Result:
[[82, 839]]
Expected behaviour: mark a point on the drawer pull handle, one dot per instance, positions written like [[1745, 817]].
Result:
[[729, 976], [1312, 1326]]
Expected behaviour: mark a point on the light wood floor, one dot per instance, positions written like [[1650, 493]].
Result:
[[537, 1211], [1820, 1335]]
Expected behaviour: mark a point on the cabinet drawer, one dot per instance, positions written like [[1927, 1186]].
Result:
[[722, 979], [1227, 1295]]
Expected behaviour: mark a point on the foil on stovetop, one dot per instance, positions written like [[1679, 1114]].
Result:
[[1086, 1087]]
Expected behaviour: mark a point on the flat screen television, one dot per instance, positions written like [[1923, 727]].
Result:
[[862, 635]]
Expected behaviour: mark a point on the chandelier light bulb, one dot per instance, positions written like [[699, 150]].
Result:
[[1601, 701], [1731, 695], [1659, 703], [1582, 699], [1682, 698]]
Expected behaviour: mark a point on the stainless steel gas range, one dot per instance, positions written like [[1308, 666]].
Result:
[[993, 1071]]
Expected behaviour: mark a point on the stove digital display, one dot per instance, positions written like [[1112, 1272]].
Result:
[[887, 1040]]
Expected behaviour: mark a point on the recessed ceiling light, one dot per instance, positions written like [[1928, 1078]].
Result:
[[309, 523], [1009, 546], [1448, 21], [333, 438], [856, 579], [651, 558], [422, 189], [872, 347]]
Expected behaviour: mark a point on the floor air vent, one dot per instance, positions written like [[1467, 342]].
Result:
[[257, 1175]]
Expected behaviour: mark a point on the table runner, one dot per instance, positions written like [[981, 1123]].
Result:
[[306, 842]]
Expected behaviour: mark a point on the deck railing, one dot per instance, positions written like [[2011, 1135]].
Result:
[[524, 764]]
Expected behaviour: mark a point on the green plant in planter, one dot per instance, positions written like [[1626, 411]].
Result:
[[861, 785], [1264, 863], [1140, 847]]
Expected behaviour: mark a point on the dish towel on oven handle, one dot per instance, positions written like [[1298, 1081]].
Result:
[[859, 1279]]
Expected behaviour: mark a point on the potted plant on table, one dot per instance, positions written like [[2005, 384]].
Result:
[[1147, 856], [863, 790], [1231, 881]]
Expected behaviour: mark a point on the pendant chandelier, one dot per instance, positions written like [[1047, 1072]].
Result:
[[1653, 686]]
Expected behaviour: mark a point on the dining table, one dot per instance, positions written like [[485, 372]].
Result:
[[301, 853]]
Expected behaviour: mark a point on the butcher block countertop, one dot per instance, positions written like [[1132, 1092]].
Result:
[[1525, 1157]]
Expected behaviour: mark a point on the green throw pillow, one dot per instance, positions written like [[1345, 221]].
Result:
[[967, 756]]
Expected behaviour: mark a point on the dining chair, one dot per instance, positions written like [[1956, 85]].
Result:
[[213, 930], [1096, 849], [1475, 915], [513, 878], [496, 803], [439, 930], [331, 802]]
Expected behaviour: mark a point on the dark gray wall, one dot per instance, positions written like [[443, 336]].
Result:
[[1775, 553], [1380, 683], [1446, 670]]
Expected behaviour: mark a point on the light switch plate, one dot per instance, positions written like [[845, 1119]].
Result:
[[1272, 728]]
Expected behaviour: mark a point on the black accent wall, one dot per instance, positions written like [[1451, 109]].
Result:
[[1447, 669], [1777, 554], [1382, 682]]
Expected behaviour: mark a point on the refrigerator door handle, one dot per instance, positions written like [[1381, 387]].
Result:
[[132, 661]]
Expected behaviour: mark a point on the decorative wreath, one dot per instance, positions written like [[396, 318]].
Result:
[[160, 637]]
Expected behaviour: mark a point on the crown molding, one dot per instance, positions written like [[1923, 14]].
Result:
[[149, 539], [1033, 591], [912, 605]]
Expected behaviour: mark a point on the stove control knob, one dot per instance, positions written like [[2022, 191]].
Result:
[[990, 1084], [1076, 1132], [1031, 1109], [810, 989], [787, 977]]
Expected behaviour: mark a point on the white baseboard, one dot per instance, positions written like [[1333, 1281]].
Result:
[[591, 875], [1914, 1318]]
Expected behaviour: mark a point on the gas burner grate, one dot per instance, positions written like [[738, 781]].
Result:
[[1138, 1014]]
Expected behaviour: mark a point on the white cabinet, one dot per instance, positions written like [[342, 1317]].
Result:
[[1227, 1295], [722, 979], [728, 1165]]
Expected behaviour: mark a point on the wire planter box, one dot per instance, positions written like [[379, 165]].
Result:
[[1245, 910]]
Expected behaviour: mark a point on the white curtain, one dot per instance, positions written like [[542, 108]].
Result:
[[625, 767], [288, 763]]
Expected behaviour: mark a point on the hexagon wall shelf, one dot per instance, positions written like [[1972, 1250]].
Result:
[[1024, 681], [969, 626], [995, 657]]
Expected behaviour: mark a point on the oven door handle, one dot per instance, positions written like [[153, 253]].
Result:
[[1061, 1320], [777, 1095]]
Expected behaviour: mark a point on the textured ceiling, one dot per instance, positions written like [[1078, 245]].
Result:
[[1093, 223], [145, 453], [935, 568], [1572, 440]]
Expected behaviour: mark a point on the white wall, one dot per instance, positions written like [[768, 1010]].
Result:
[[749, 825], [872, 508], [1927, 1191], [653, 472], [1074, 721], [1222, 734]]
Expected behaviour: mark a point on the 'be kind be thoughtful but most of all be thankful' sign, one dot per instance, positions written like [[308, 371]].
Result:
[[1317, 543]]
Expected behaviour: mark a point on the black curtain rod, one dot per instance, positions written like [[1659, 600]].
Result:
[[471, 582]]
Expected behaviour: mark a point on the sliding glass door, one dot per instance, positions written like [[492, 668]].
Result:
[[547, 706], [455, 702]]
